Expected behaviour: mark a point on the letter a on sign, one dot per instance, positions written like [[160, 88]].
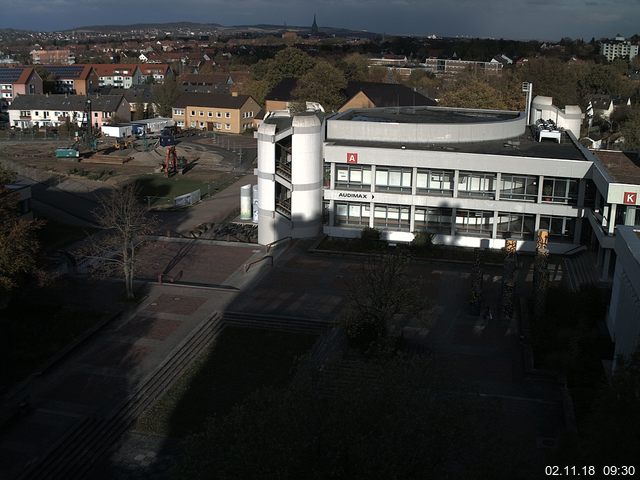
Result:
[[630, 198], [352, 158]]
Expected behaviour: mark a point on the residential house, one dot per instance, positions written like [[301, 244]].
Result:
[[357, 94], [118, 75], [206, 83], [29, 111], [61, 56], [215, 112], [73, 79], [140, 98], [604, 105], [156, 71], [371, 95], [18, 81]]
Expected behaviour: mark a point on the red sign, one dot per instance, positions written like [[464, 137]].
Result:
[[352, 157], [630, 198]]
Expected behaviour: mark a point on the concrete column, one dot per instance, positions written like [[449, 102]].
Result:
[[332, 213], [332, 185], [494, 227], [456, 177], [414, 183], [373, 180], [453, 215], [540, 185], [605, 216], [578, 231], [630, 215], [536, 226], [497, 195], [412, 213], [582, 186], [612, 219], [371, 210]]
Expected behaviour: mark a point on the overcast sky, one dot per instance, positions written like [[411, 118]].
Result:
[[515, 19]]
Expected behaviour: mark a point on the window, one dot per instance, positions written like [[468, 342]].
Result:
[[180, 123], [352, 214], [518, 187], [209, 114], [193, 113], [560, 190], [435, 182], [393, 179], [353, 177], [227, 115], [227, 126], [25, 113], [474, 184], [218, 115], [516, 225], [434, 220], [201, 124], [560, 228], [395, 217], [474, 222], [201, 113]]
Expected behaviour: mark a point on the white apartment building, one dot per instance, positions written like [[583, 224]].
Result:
[[619, 48]]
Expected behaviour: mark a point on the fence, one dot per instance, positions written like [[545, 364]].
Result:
[[187, 199]]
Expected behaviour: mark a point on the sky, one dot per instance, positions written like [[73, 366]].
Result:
[[509, 19]]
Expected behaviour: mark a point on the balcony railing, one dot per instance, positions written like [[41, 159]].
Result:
[[284, 207], [284, 170]]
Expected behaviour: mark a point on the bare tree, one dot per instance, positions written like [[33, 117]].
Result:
[[125, 222], [383, 294]]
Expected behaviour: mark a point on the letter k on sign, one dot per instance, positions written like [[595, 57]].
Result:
[[630, 198]]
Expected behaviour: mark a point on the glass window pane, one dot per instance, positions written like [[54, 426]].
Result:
[[406, 179], [382, 177], [354, 210], [421, 180], [356, 175], [343, 175], [366, 177], [394, 178], [341, 209]]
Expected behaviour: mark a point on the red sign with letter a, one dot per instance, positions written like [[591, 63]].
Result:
[[630, 198], [352, 157]]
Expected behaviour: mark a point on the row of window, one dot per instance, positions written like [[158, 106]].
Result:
[[440, 220], [210, 114], [441, 183], [217, 126]]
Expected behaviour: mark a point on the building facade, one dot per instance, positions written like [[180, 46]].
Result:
[[29, 111], [118, 75], [18, 81], [73, 79], [215, 112], [623, 319], [468, 177], [618, 48], [447, 66], [62, 56]]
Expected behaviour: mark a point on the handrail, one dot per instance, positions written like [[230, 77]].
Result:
[[247, 266], [574, 250], [269, 245]]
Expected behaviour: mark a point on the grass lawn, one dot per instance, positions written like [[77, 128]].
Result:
[[241, 361], [32, 334], [162, 190]]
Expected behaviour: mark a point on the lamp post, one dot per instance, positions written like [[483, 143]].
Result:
[[89, 120]]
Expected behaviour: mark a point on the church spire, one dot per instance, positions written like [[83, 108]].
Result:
[[314, 26]]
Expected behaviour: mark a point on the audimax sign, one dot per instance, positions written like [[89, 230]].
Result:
[[359, 196]]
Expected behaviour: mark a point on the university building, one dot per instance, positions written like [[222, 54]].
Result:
[[472, 178]]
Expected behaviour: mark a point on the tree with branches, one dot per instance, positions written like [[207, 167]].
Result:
[[125, 222], [18, 243]]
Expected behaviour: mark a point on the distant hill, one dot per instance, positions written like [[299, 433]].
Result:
[[143, 26], [267, 28]]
